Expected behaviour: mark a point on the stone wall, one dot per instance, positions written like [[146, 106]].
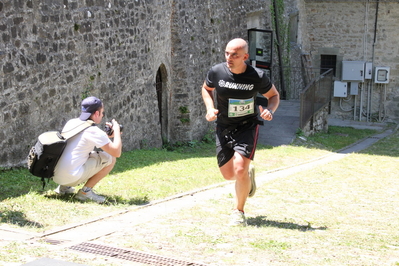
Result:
[[55, 53], [199, 36], [147, 60], [131, 54], [347, 29], [318, 123]]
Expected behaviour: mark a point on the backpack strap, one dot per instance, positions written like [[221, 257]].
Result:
[[79, 128]]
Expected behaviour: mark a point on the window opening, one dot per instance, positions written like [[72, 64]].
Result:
[[327, 62]]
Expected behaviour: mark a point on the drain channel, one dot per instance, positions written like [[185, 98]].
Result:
[[131, 255]]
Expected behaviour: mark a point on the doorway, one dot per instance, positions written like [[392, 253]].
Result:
[[162, 98]]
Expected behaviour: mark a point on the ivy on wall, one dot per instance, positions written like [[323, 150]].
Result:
[[281, 28]]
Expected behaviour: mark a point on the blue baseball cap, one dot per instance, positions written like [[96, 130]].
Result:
[[89, 106]]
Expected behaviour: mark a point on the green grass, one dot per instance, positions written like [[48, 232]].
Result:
[[142, 176], [340, 213], [336, 138]]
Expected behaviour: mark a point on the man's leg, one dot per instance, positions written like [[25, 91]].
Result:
[[95, 171], [237, 169], [234, 166], [100, 175]]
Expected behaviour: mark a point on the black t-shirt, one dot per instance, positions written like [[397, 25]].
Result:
[[236, 93]]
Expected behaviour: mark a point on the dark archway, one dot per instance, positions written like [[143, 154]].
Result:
[[162, 97]]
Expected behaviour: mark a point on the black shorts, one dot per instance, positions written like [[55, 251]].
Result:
[[242, 139]]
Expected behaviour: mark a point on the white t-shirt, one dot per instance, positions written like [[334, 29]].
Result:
[[69, 167]]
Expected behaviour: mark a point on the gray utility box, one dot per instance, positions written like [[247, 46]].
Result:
[[340, 89], [382, 75], [353, 71]]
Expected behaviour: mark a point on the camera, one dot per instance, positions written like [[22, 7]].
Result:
[[109, 129]]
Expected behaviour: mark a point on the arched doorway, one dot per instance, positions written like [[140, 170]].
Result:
[[162, 97]]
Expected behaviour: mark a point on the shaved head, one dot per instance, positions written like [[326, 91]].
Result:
[[239, 44]]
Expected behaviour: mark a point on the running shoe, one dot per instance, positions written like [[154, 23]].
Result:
[[237, 218], [251, 173], [90, 195], [62, 190]]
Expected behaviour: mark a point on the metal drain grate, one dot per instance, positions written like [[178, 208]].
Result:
[[53, 241], [131, 255]]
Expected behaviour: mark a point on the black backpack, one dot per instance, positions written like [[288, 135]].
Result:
[[44, 155]]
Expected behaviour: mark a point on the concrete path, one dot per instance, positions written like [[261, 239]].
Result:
[[285, 124], [282, 129]]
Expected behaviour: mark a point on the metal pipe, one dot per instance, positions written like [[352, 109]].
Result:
[[361, 102], [373, 52], [354, 108]]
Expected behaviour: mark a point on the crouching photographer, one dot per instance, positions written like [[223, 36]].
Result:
[[80, 163]]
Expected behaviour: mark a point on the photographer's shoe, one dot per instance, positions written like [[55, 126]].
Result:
[[62, 190], [251, 173], [90, 195]]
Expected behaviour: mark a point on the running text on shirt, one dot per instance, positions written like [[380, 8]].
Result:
[[235, 86]]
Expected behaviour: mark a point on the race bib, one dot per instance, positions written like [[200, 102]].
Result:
[[240, 107]]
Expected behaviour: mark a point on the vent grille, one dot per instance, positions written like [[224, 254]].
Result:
[[131, 255]]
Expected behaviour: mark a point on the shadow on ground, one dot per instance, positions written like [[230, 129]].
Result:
[[261, 221], [18, 218]]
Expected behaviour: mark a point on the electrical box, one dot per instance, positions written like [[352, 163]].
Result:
[[368, 70], [353, 88], [340, 89], [381, 74], [353, 71]]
